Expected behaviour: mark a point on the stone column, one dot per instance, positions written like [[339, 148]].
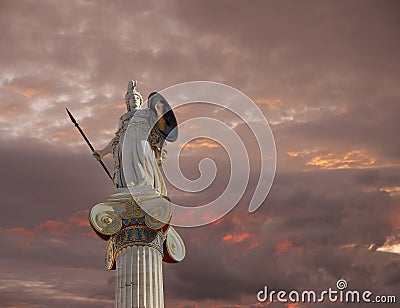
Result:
[[139, 279], [138, 243]]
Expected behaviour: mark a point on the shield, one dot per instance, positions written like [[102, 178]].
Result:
[[171, 132]]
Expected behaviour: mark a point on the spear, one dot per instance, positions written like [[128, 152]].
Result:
[[87, 141]]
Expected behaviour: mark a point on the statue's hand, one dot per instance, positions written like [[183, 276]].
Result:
[[97, 155]]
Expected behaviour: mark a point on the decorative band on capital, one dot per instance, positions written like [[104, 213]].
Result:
[[133, 235], [138, 235]]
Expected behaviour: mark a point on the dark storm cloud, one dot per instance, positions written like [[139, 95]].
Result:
[[324, 73]]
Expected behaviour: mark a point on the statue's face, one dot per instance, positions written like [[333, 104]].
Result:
[[135, 101]]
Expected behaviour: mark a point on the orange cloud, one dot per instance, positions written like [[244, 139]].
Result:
[[79, 219], [293, 154], [236, 238], [17, 230], [303, 153], [354, 159], [11, 111], [27, 92], [294, 305], [51, 227], [395, 248], [283, 246], [254, 244], [391, 190], [54, 227], [251, 243], [200, 143]]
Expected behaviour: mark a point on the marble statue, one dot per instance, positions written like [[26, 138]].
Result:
[[143, 146]]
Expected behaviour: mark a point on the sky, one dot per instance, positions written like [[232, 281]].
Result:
[[324, 73]]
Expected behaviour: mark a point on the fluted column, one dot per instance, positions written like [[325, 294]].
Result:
[[139, 281]]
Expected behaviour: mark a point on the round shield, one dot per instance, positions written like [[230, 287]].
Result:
[[171, 132]]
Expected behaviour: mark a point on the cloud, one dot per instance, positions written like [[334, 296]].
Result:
[[237, 238], [282, 246], [353, 159]]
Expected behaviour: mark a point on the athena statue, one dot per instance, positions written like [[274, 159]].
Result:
[[137, 144]]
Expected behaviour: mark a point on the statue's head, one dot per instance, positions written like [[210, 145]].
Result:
[[133, 98]]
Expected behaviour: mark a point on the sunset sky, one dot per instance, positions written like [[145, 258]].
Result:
[[326, 75]]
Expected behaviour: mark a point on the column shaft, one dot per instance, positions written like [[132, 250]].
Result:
[[139, 281]]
